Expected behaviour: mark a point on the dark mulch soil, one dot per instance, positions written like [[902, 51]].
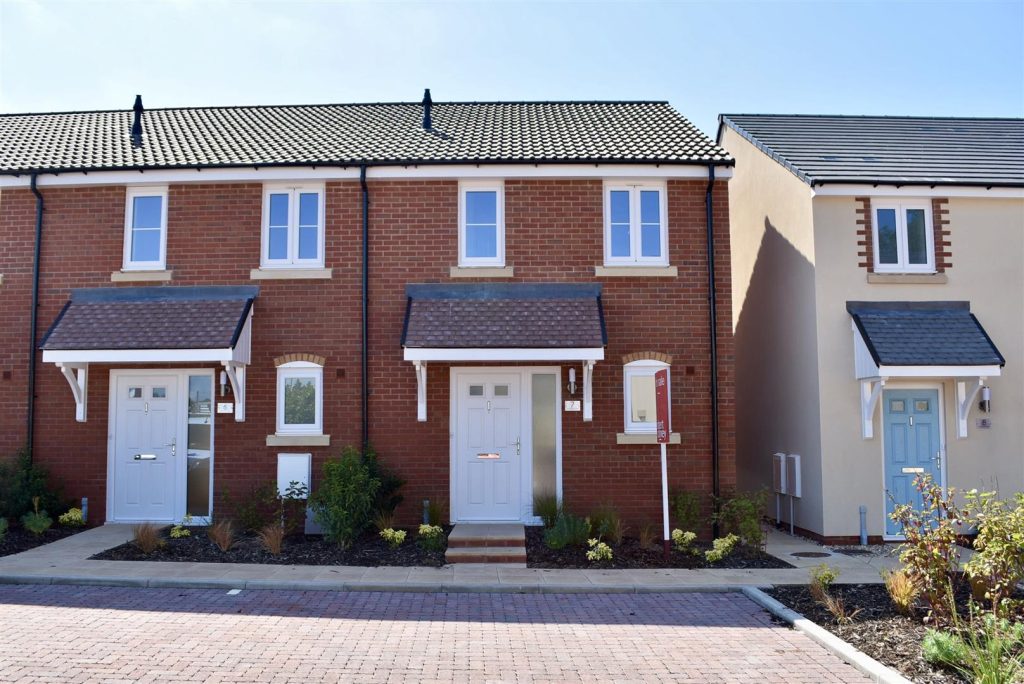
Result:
[[878, 630], [629, 554], [368, 550], [17, 540]]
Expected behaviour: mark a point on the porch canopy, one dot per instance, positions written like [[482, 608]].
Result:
[[504, 323], [140, 325], [920, 340]]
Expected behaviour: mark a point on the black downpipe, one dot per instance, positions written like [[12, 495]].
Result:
[[713, 314], [30, 432], [366, 302]]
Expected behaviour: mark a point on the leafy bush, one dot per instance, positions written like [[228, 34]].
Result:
[[741, 515], [222, 534], [344, 502], [606, 524], [599, 551], [930, 553], [3, 528], [547, 507], [255, 509], [394, 538], [646, 535], [721, 548], [569, 530], [73, 518], [431, 537], [901, 589], [36, 521], [180, 531], [21, 480], [272, 539], [683, 541], [998, 560], [824, 576], [146, 536], [943, 648], [686, 509]]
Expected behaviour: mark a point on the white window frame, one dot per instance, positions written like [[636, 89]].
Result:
[[300, 369], [640, 369], [129, 210], [498, 187], [634, 189], [293, 191], [902, 264]]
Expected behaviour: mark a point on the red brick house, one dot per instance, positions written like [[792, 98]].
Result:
[[482, 291]]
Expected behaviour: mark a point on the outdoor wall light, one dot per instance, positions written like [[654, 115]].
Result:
[[572, 382], [986, 400], [223, 383]]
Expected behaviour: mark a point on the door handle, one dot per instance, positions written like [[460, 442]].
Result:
[[517, 445], [145, 457], [173, 444]]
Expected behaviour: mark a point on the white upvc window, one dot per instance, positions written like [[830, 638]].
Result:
[[145, 229], [638, 386], [293, 226], [903, 237], [635, 230], [481, 224], [300, 398]]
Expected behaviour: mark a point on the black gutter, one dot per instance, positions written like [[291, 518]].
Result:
[[366, 302], [30, 420], [713, 316]]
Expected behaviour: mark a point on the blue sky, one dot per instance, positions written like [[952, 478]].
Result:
[[925, 58]]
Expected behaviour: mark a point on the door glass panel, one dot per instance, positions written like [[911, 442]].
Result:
[[134, 392], [886, 220], [917, 241], [642, 401], [159, 392], [476, 390], [921, 405], [200, 419], [897, 406], [544, 473], [501, 390]]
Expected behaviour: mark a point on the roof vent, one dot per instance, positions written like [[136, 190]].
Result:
[[427, 102], [137, 122]]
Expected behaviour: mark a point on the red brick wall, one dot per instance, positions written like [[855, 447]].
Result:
[[553, 234]]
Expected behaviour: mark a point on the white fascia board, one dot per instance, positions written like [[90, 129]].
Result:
[[477, 354], [78, 356], [939, 371], [270, 174], [891, 190]]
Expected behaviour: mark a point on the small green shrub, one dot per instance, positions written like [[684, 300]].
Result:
[[73, 518], [683, 541], [721, 548], [3, 528], [343, 505], [431, 537], [180, 531], [606, 524], [943, 648], [824, 576], [569, 530], [741, 515], [22, 480], [987, 649], [36, 521], [599, 551], [547, 507], [394, 538], [686, 509]]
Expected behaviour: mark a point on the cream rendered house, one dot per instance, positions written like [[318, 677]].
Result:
[[878, 308]]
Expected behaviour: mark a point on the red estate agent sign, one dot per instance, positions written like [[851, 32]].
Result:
[[664, 430]]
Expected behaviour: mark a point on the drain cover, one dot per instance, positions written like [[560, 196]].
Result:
[[810, 554], [854, 552]]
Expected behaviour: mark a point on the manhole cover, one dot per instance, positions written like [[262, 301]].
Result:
[[810, 554]]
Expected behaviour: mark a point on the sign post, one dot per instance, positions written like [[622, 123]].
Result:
[[664, 428]]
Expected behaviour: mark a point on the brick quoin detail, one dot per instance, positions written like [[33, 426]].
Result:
[[940, 226], [865, 236], [647, 356], [308, 358]]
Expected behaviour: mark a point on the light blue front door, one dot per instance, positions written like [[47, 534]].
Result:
[[913, 446]]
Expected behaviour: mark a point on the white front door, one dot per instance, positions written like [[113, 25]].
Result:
[[488, 447], [147, 426]]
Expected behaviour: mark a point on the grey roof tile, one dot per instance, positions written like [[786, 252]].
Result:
[[890, 149], [924, 334], [351, 134]]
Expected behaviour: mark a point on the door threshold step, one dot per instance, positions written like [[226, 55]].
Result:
[[487, 534], [485, 554]]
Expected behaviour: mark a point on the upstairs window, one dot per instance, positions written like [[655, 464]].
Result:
[[635, 233], [300, 398], [481, 225], [638, 384], [145, 229], [903, 237], [293, 226]]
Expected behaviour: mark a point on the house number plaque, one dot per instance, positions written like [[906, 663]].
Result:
[[572, 406]]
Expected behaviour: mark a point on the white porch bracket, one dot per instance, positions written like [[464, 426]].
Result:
[[966, 393], [588, 391], [421, 390], [77, 376], [236, 376], [870, 392]]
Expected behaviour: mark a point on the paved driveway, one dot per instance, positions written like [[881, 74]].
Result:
[[64, 633]]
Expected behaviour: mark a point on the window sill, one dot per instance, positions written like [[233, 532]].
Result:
[[908, 278], [481, 272], [290, 274], [141, 276], [298, 440], [645, 438], [636, 271]]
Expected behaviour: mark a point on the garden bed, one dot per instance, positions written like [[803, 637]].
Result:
[[368, 550], [878, 629], [630, 555], [19, 539]]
